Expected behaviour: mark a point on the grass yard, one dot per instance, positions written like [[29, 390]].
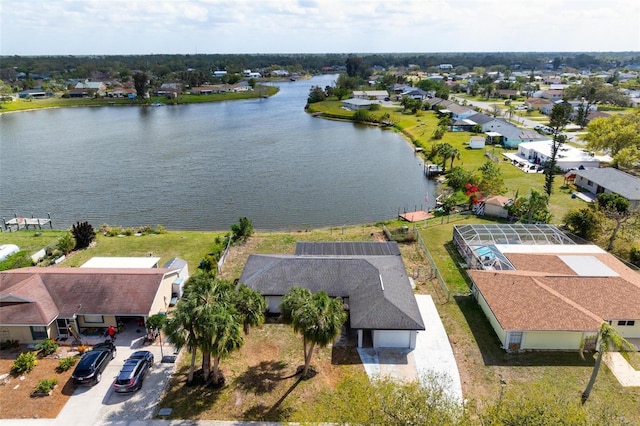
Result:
[[481, 362], [261, 381]]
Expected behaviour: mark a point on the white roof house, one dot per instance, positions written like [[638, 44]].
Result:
[[121, 262], [356, 104], [568, 157], [369, 94]]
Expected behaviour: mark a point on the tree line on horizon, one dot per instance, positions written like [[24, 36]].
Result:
[[162, 64]]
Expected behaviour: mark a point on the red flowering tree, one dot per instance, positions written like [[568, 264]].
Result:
[[473, 192]]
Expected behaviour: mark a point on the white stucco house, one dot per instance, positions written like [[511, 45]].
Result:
[[568, 157]]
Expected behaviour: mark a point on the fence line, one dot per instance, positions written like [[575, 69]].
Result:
[[434, 268], [224, 255]]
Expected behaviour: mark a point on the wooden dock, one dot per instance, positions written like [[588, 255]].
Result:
[[432, 170], [416, 216], [19, 222]]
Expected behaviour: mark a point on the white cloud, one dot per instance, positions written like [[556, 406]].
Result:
[[309, 26]]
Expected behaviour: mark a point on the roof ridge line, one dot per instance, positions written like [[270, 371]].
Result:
[[567, 300]]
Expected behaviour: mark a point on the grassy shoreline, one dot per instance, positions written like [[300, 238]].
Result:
[[56, 101]]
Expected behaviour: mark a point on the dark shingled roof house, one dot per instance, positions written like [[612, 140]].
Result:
[[370, 277]]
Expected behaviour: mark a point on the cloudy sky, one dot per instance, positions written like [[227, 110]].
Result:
[[78, 27]]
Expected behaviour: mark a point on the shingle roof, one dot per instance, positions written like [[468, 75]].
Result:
[[513, 132], [379, 291], [341, 248], [546, 294], [48, 293], [614, 180], [520, 303], [480, 118]]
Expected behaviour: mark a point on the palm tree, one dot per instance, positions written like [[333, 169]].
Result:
[[206, 319], [317, 317], [251, 306], [454, 154], [225, 337], [444, 151], [180, 329], [608, 340]]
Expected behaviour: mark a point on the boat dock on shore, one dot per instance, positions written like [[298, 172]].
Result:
[[432, 170], [19, 222]]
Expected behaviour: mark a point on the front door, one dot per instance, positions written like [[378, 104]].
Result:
[[63, 328], [515, 341]]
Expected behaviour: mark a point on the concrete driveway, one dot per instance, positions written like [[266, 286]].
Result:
[[432, 357], [98, 404]]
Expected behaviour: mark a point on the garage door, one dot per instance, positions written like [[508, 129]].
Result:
[[391, 338]]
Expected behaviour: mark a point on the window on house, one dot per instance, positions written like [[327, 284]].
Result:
[[93, 319], [589, 183], [39, 333], [630, 323]]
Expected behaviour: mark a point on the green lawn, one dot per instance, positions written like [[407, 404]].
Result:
[[188, 245], [481, 362]]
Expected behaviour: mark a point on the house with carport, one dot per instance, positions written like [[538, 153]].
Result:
[[370, 277], [60, 303], [567, 158], [541, 291]]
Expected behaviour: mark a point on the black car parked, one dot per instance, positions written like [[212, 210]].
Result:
[[92, 364], [133, 372]]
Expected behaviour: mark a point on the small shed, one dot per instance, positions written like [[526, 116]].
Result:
[[496, 206], [476, 142]]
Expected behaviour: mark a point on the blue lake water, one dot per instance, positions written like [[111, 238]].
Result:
[[202, 166]]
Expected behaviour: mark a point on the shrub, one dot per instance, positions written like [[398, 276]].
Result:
[[17, 260], [83, 234], [8, 344], [634, 255], [144, 230], [362, 116], [47, 347], [66, 243], [25, 362], [243, 230], [46, 385], [66, 363]]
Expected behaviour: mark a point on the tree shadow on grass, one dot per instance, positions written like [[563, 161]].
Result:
[[345, 355], [262, 378], [277, 412], [189, 400], [489, 344]]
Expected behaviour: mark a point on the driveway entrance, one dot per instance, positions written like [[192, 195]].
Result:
[[432, 356]]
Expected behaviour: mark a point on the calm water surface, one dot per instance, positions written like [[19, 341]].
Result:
[[203, 166]]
